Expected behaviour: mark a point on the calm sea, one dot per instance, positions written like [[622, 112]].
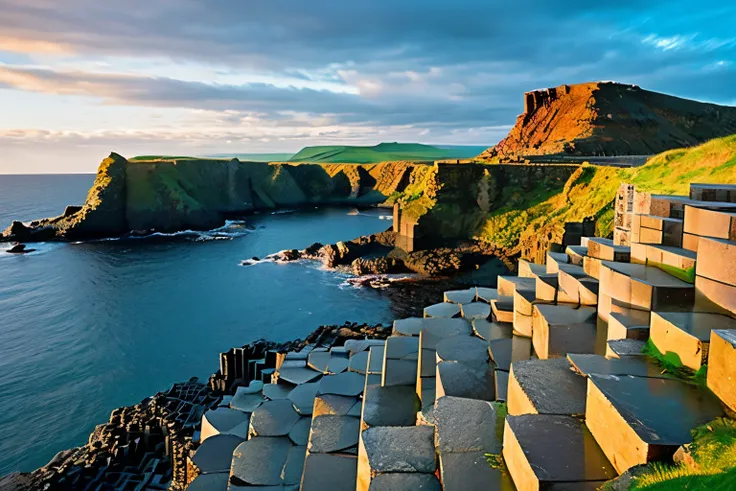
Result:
[[86, 328]]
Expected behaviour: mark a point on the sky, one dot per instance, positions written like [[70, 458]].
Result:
[[82, 78]]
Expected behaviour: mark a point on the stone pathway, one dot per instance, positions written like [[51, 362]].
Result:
[[558, 347]]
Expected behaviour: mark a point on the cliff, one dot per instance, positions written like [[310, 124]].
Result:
[[198, 194], [604, 118]]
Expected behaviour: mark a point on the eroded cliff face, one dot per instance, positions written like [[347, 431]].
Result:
[[605, 118], [198, 194]]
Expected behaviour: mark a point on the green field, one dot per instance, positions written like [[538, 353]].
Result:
[[384, 152]]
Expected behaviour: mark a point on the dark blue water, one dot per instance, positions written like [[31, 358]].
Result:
[[86, 328]]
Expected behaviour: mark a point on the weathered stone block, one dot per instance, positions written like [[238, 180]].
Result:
[[465, 425], [606, 250], [713, 192], [626, 417], [554, 259], [716, 294], [329, 472], [717, 260], [545, 387], [461, 380], [530, 270], [503, 309], [592, 266], [707, 222], [722, 366], [443, 310], [507, 285], [557, 328], [631, 324], [460, 296]]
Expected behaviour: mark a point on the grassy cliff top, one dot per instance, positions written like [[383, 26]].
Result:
[[591, 191], [382, 152]]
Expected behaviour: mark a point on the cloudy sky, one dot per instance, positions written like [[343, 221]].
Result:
[[81, 78]]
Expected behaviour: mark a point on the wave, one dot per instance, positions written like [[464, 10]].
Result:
[[378, 281], [231, 230], [282, 212]]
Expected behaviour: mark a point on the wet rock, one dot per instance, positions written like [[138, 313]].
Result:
[[19, 249]]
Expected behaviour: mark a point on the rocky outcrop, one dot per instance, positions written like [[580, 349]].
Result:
[[198, 194], [606, 118]]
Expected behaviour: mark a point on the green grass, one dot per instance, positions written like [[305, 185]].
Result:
[[711, 466], [383, 152]]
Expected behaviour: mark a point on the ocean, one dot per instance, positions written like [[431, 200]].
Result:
[[88, 327]]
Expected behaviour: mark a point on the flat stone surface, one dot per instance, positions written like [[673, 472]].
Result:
[[276, 391], [331, 433], [354, 346], [431, 335], [460, 380], [375, 360], [469, 471], [344, 384], [246, 401], [337, 364], [600, 365], [215, 453], [475, 310], [302, 397], [400, 372], [646, 274], [502, 384], [319, 359], [551, 386], [210, 482], [559, 448], [400, 449], [660, 411], [390, 406], [224, 419], [359, 362], [329, 472], [260, 461], [465, 425], [294, 465], [460, 296], [627, 347], [443, 309], [274, 418], [401, 347], [698, 325], [298, 375], [398, 481], [333, 404], [464, 349], [299, 434], [563, 314], [492, 330], [486, 294]]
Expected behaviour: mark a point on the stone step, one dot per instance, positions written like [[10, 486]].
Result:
[[620, 348], [442, 310], [545, 387], [713, 192], [687, 334], [328, 361], [214, 455], [489, 331], [267, 461], [460, 296], [412, 326], [717, 260], [628, 323], [641, 287], [273, 418], [224, 421], [606, 250], [579, 288], [400, 361], [676, 261], [717, 220], [627, 418], [553, 452], [638, 366], [389, 406], [722, 366], [335, 433], [503, 352], [475, 310], [560, 329], [468, 381], [576, 254], [554, 259], [524, 301], [592, 267], [485, 294], [714, 296], [547, 289], [392, 450], [329, 472], [530, 270], [651, 229], [507, 285], [465, 432], [503, 309]]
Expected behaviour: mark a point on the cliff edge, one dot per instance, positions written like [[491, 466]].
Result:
[[607, 118]]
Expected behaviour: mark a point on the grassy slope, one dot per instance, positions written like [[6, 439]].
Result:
[[591, 190], [380, 153]]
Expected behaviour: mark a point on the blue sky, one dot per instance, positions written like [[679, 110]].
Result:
[[81, 78]]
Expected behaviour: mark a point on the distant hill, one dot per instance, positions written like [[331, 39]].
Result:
[[383, 152], [606, 118]]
